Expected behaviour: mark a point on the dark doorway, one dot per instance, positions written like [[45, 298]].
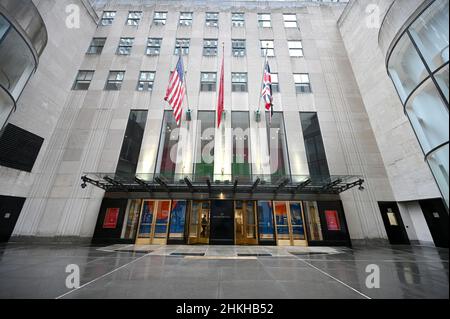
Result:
[[393, 223], [110, 221], [437, 219], [222, 223], [10, 208]]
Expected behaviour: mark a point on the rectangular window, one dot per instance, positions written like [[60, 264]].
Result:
[[241, 166], [134, 18], [182, 46], [238, 19], [166, 164], [212, 19], [208, 81], [290, 20], [295, 48], [114, 81], [146, 80], [97, 45], [131, 219], [107, 18], [210, 47], [313, 218], [264, 20], [125, 46], [204, 163], [239, 82], [132, 142], [238, 48], [277, 142], [275, 83], [186, 19], [83, 80], [153, 46], [266, 228], [267, 48], [315, 150], [302, 83], [19, 148], [159, 18]]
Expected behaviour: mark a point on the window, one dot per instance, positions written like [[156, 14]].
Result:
[[134, 18], [83, 80], [302, 83], [97, 45], [132, 142], [277, 143], [275, 83], [212, 19], [239, 82], [238, 19], [290, 20], [241, 166], [159, 18], [153, 46], [182, 46], [107, 18], [114, 81], [204, 153], [295, 48], [146, 80], [267, 48], [315, 150], [186, 19], [210, 47], [238, 48], [166, 162], [264, 20], [208, 82], [125, 46]]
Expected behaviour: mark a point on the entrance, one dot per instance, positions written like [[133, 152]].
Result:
[[222, 223], [289, 224], [393, 223], [199, 225], [245, 223], [10, 208], [436, 216], [153, 224]]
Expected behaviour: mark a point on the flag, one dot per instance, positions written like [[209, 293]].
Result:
[[267, 89], [176, 91], [220, 103]]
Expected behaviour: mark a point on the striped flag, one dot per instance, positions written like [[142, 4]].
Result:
[[176, 91], [267, 89]]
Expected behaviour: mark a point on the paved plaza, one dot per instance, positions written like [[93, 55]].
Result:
[[199, 272]]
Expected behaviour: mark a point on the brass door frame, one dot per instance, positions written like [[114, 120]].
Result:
[[291, 241], [152, 240], [197, 239], [246, 240]]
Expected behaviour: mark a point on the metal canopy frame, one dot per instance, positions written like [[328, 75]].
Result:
[[189, 183]]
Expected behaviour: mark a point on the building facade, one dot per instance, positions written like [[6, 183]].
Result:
[[318, 171]]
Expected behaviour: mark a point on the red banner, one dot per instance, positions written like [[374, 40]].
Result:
[[111, 217], [332, 218]]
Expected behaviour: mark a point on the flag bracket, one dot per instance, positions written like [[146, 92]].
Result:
[[188, 115], [258, 116]]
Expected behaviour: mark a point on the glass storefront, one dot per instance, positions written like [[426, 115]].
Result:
[[418, 67]]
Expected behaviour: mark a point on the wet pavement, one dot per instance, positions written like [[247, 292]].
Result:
[[205, 272]]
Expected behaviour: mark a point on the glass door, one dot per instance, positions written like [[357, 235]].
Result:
[[289, 224], [199, 223], [245, 223], [153, 223]]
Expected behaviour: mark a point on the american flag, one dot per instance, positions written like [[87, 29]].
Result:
[[267, 89], [176, 91]]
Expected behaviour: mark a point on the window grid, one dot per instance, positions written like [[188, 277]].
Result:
[[267, 47], [83, 80], [208, 81], [134, 18], [182, 46], [239, 82], [146, 81], [275, 83], [160, 18], [295, 48], [302, 83], [238, 19], [96, 46], [238, 47], [212, 19], [153, 46], [290, 20], [264, 20], [107, 18], [125, 46], [115, 80], [186, 19], [210, 47]]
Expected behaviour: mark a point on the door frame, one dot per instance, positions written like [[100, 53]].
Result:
[[197, 239], [291, 241], [383, 206], [246, 240], [152, 240]]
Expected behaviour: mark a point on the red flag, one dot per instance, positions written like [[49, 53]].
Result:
[[220, 103]]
